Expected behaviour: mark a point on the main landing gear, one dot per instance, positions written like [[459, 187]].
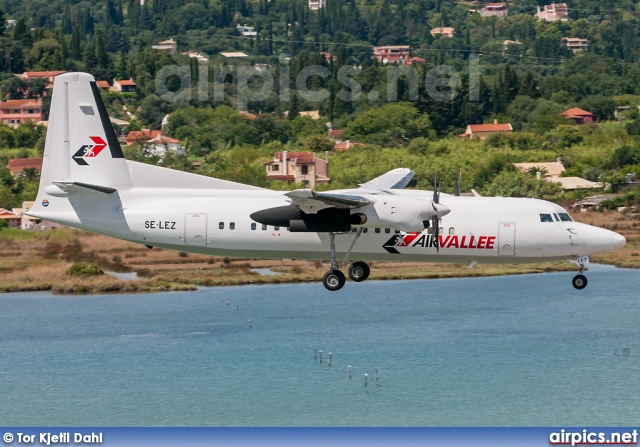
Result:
[[580, 281], [334, 279]]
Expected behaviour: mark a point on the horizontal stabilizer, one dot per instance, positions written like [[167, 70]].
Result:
[[83, 187]]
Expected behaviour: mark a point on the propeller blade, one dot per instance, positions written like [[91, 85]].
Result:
[[436, 230]]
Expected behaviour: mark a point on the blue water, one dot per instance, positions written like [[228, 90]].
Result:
[[524, 350]]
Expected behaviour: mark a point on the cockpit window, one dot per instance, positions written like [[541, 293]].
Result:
[[565, 217], [556, 216], [546, 218]]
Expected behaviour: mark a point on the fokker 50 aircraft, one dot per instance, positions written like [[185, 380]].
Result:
[[87, 183]]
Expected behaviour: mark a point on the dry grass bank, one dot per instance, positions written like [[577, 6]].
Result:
[[40, 262]]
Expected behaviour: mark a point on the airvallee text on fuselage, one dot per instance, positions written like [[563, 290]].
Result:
[[87, 183]]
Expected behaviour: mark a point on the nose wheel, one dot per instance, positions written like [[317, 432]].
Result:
[[580, 281]]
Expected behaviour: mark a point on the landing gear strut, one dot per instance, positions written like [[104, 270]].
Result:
[[334, 279], [580, 281]]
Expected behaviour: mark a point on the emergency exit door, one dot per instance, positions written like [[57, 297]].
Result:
[[195, 230], [507, 239]]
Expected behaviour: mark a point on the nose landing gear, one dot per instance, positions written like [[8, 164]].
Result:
[[580, 281]]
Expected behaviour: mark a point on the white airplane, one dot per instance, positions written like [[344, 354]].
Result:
[[86, 183]]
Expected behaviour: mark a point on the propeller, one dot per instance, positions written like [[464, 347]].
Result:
[[434, 219]]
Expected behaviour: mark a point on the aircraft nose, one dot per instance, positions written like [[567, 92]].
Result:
[[618, 241]]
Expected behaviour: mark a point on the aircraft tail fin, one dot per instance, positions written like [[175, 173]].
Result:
[[81, 145]]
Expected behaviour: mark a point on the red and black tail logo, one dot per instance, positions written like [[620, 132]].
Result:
[[89, 151], [399, 240]]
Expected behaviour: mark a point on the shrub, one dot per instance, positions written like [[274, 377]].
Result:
[[82, 269]]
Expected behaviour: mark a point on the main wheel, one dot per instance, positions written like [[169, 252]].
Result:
[[359, 271], [333, 280], [579, 282]]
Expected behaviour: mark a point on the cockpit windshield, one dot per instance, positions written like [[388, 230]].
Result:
[[564, 217]]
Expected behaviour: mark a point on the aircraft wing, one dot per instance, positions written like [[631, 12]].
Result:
[[394, 179], [310, 201]]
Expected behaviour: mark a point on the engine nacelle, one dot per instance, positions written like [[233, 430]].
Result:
[[409, 214]]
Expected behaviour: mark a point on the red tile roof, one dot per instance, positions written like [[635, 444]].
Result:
[[42, 74], [346, 145], [490, 127], [144, 135], [299, 157], [20, 103], [127, 82], [576, 112], [164, 140], [6, 214], [18, 164], [103, 84], [335, 133]]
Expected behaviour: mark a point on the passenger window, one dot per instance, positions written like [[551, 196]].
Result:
[[546, 218], [387, 230], [452, 230], [377, 230], [264, 226], [276, 228], [253, 226], [365, 230], [232, 226], [221, 225], [397, 231], [565, 217]]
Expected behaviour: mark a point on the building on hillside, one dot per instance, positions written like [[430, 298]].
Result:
[[575, 44], [234, 54], [552, 171], [336, 135], [170, 46], [391, 53], [328, 56], [11, 23], [579, 116], [17, 165], [313, 114], [548, 169], [317, 4], [345, 145], [248, 115], [201, 57], [47, 75], [160, 144], [494, 10], [482, 131], [11, 218], [298, 167], [246, 31], [415, 61], [13, 112], [141, 136], [446, 31], [124, 86], [553, 12], [33, 223], [103, 85]]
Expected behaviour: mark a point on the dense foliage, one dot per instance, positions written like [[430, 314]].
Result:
[[527, 81]]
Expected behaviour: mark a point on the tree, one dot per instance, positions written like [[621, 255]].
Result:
[[320, 143]]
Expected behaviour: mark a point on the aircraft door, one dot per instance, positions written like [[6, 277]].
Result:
[[195, 230], [507, 239]]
